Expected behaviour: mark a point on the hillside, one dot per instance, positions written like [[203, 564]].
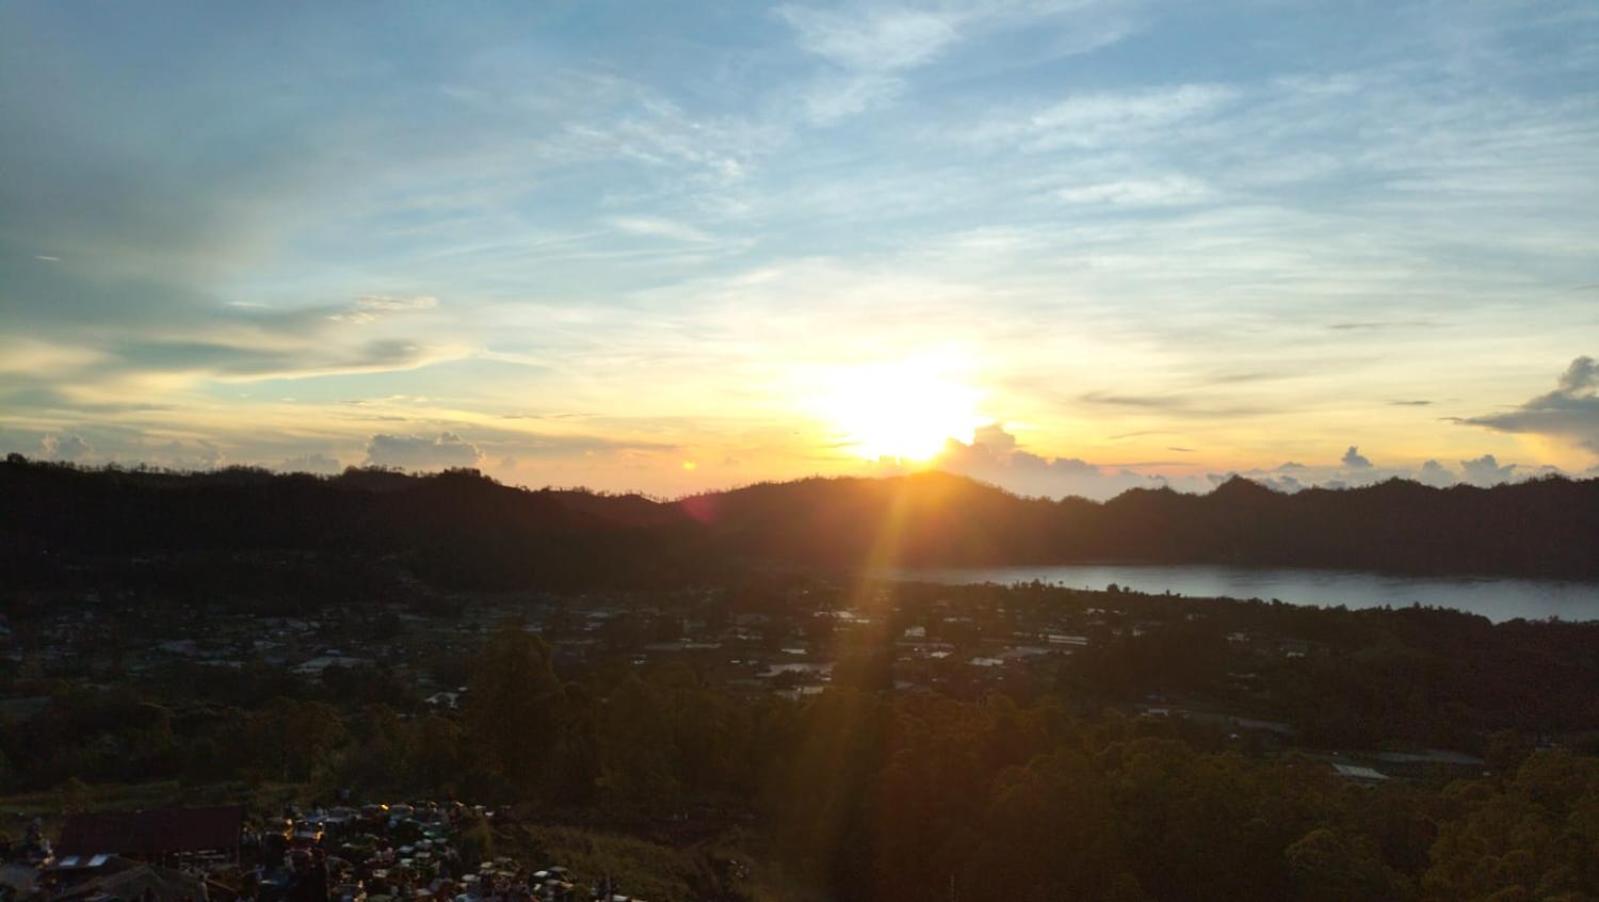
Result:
[[461, 527]]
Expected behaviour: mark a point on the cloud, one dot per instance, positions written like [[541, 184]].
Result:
[[1355, 469], [1436, 474], [1373, 326], [311, 463], [1106, 118], [65, 447], [995, 456], [883, 40], [831, 99], [1354, 460], [248, 360], [1581, 375], [27, 356], [195, 455], [415, 452], [371, 307], [1187, 406], [871, 51], [866, 50], [656, 227], [1485, 471], [1569, 413], [1358, 199], [1159, 191]]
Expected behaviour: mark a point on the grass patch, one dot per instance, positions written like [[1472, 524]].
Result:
[[50, 806]]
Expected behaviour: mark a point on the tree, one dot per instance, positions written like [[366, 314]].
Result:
[[1327, 866], [637, 745], [510, 713], [1534, 835]]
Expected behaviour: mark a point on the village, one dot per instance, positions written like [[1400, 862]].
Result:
[[788, 645], [416, 652]]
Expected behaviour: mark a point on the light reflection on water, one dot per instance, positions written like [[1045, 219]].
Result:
[[1498, 599]]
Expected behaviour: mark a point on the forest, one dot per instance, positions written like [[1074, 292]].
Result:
[[465, 529]]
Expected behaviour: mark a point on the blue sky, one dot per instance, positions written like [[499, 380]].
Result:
[[675, 246]]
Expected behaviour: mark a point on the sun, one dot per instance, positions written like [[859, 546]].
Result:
[[905, 409]]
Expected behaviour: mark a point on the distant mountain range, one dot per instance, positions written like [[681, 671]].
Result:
[[460, 527]]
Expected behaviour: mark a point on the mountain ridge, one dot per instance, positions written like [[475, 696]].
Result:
[[484, 531]]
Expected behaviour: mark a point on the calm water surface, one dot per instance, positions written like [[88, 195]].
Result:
[[1494, 598]]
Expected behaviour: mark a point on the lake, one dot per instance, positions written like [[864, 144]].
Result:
[[1498, 599]]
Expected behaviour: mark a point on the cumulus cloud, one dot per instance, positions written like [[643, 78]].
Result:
[[64, 447], [311, 463], [416, 452], [995, 456], [1569, 413], [197, 455], [1581, 375], [1354, 460], [1485, 470], [1354, 469], [1436, 474]]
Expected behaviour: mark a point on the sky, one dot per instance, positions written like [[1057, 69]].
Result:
[[1066, 247]]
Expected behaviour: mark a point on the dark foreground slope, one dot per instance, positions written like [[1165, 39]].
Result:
[[464, 528]]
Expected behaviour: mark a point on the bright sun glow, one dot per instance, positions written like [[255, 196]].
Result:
[[904, 409]]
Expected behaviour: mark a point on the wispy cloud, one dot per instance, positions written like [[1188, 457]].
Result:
[[1152, 192], [371, 307], [1103, 204], [656, 227], [1102, 118], [883, 39], [873, 48]]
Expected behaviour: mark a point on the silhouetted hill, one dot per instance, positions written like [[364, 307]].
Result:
[[1546, 527], [457, 527], [462, 528]]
